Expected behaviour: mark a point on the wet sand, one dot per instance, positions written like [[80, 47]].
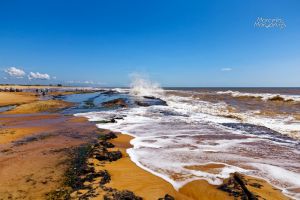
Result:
[[126, 175], [35, 147], [33, 159]]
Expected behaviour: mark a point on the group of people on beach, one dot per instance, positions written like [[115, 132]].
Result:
[[42, 91], [10, 89]]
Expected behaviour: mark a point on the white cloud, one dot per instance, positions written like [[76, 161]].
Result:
[[15, 72], [86, 82], [38, 75], [226, 69]]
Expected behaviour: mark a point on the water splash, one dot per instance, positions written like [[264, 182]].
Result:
[[143, 86]]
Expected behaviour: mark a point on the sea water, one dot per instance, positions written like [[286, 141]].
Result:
[[246, 131]]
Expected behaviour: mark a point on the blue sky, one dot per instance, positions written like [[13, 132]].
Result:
[[176, 43]]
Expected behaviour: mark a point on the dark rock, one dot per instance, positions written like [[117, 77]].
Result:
[[122, 195], [107, 144], [90, 177], [110, 136], [150, 101], [239, 179], [167, 197], [108, 189], [120, 102], [119, 117], [279, 99], [105, 177], [101, 157], [256, 185], [114, 155], [110, 156], [87, 170], [144, 104], [163, 103], [110, 92], [236, 186], [149, 97]]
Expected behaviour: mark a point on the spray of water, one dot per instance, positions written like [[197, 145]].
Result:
[[142, 86]]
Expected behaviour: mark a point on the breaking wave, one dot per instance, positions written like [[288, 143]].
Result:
[[141, 86], [262, 96]]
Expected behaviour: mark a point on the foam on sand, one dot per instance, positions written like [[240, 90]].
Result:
[[290, 179]]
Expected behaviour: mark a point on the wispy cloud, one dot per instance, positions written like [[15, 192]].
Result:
[[86, 82], [15, 72], [39, 76], [226, 69]]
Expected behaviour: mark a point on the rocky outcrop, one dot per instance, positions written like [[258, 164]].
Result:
[[85, 179], [140, 103], [106, 144], [110, 136], [167, 197], [103, 154], [150, 101], [105, 177], [121, 195], [109, 92], [236, 187], [120, 102]]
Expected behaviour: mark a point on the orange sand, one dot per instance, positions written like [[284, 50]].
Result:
[[126, 175], [36, 167], [202, 190], [11, 98], [211, 168], [39, 106], [12, 134]]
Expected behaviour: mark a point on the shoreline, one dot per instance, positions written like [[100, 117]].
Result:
[[49, 136], [194, 190], [161, 188]]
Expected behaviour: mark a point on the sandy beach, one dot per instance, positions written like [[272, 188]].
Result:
[[126, 175], [150, 100], [37, 146]]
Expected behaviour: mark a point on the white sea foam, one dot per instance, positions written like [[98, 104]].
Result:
[[187, 132], [289, 179], [164, 144], [263, 96], [218, 113], [141, 86]]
